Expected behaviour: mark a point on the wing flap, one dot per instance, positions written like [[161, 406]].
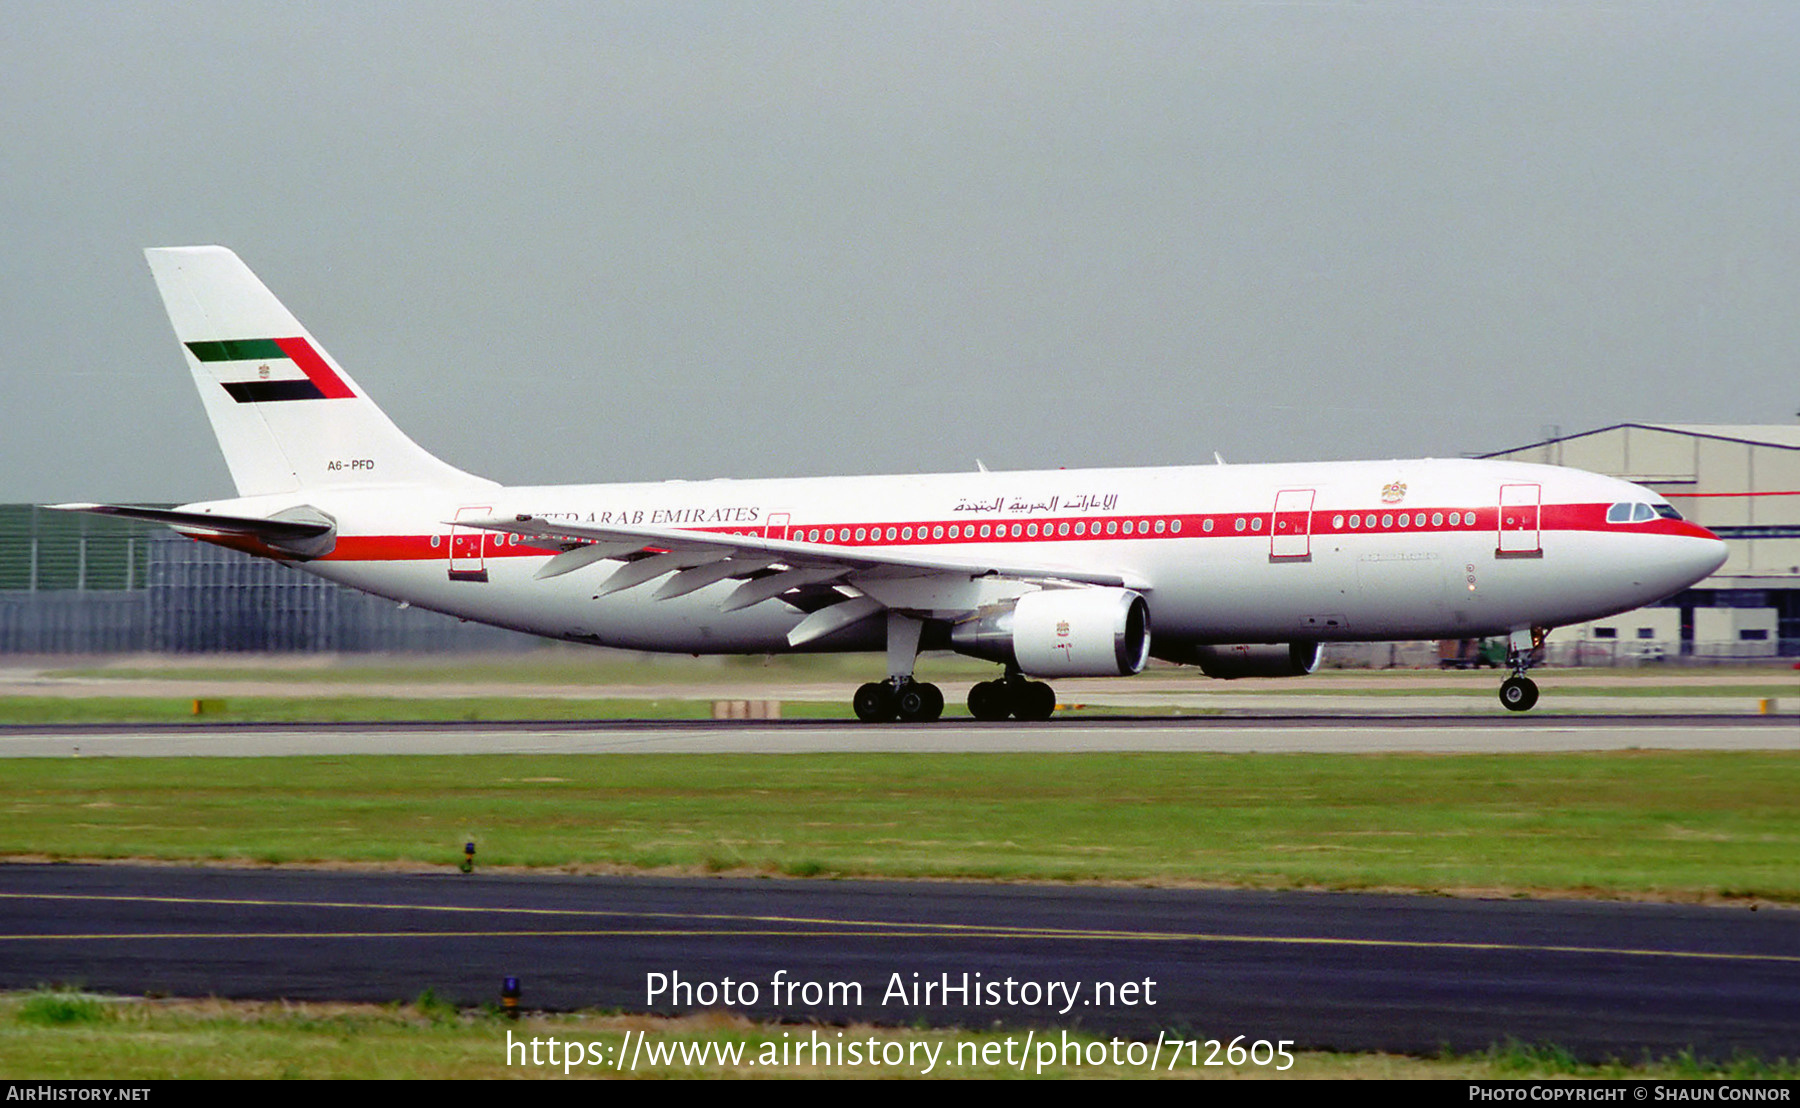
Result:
[[795, 555], [826, 620], [585, 555]]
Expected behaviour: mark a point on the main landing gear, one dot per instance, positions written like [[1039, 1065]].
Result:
[[899, 698], [912, 701], [1012, 695], [1519, 693]]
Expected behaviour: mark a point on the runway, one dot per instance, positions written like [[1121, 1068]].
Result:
[[1309, 733], [1338, 971]]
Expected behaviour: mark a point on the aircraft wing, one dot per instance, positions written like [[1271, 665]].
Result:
[[836, 584]]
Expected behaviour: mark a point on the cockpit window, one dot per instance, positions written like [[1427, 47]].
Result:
[[1639, 513]]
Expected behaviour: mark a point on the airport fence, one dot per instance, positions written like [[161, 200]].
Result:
[[184, 597], [1596, 653]]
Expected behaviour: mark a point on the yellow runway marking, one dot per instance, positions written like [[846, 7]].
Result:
[[806, 927]]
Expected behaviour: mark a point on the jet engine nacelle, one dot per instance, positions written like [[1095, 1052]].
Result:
[[1229, 660], [1087, 632]]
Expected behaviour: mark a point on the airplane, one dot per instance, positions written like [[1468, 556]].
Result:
[[1242, 570]]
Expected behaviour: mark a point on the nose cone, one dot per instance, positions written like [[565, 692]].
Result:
[[1686, 559], [1708, 555]]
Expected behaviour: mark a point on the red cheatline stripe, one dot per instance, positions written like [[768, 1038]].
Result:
[[1696, 495], [320, 374], [1551, 519]]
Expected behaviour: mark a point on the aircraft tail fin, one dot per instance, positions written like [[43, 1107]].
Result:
[[286, 414]]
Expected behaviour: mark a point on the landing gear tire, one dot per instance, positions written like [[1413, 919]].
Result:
[[919, 702], [874, 702], [990, 700], [1518, 694], [1034, 700]]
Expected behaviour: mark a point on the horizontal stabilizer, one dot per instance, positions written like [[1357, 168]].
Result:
[[301, 532]]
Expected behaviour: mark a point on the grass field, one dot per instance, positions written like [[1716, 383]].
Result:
[[48, 1035], [372, 709], [1671, 825], [576, 668], [1681, 826]]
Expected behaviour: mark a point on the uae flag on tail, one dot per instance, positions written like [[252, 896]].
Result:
[[254, 371]]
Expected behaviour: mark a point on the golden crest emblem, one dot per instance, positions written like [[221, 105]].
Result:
[[1394, 493]]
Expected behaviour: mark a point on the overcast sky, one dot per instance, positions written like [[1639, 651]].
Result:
[[593, 242]]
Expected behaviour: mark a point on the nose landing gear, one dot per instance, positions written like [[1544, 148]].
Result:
[[1519, 693]]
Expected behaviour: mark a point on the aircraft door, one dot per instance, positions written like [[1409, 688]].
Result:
[[1290, 525], [1520, 511], [777, 527], [468, 547]]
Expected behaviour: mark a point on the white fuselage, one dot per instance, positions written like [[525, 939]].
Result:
[[1223, 553]]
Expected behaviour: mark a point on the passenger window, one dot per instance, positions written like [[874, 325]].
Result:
[[1175, 527], [1206, 526], [1062, 528]]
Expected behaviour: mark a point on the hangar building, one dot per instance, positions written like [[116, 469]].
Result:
[[1742, 483]]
